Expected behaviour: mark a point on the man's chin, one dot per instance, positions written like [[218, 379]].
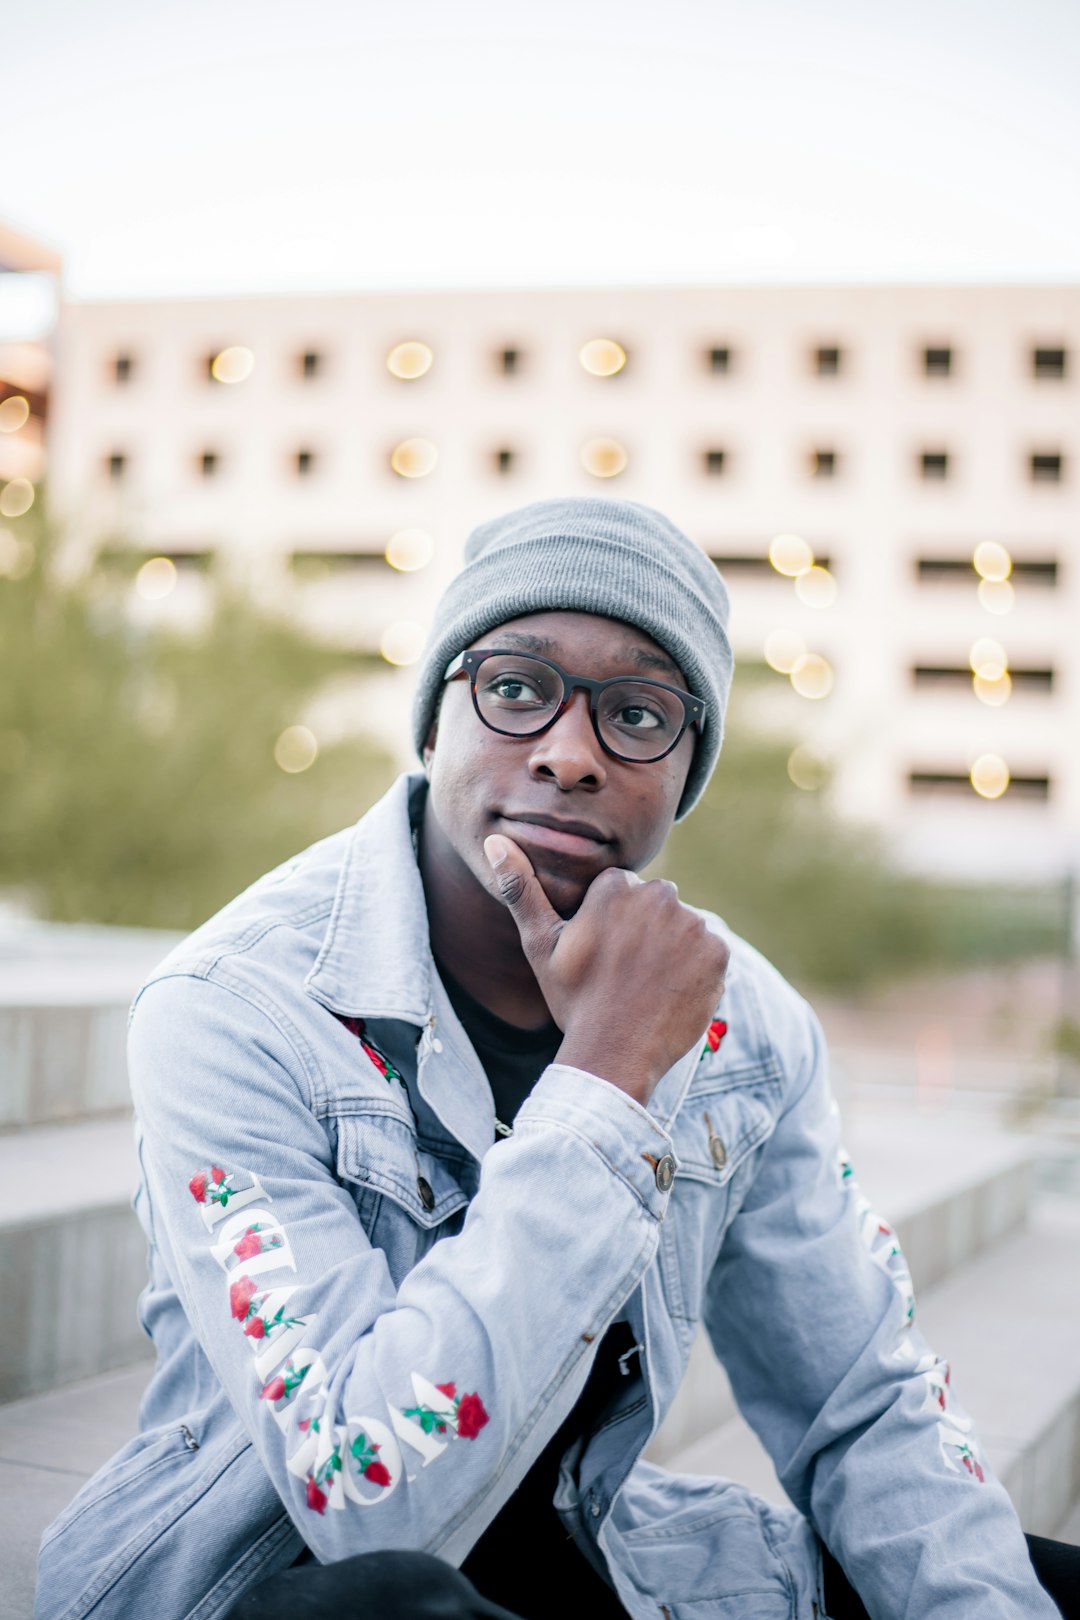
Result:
[[565, 894]]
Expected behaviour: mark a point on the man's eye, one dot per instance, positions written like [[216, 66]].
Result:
[[636, 717], [514, 689]]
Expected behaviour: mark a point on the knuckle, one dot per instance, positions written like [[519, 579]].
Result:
[[512, 887]]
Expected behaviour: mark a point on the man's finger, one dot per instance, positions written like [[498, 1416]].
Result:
[[539, 924]]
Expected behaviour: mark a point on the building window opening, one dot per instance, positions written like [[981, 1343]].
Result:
[[1049, 363], [934, 465], [957, 784], [715, 463], [938, 362], [123, 369], [945, 570], [824, 463], [209, 463], [1046, 468], [828, 361], [508, 362], [117, 465], [304, 463], [311, 364], [504, 462], [719, 361]]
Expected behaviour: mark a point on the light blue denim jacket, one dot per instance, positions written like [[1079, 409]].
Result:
[[370, 1315]]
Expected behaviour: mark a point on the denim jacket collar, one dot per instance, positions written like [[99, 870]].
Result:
[[375, 960]]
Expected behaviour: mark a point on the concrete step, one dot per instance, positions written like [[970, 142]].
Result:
[[64, 995], [72, 1255], [49, 1445], [953, 1185], [1009, 1324]]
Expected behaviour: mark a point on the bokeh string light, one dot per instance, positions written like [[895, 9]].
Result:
[[409, 550], [156, 579], [816, 587], [990, 776], [790, 554], [403, 642], [604, 458], [16, 498], [783, 649], [14, 413], [812, 676], [296, 750], [410, 360], [414, 458], [232, 365], [602, 357]]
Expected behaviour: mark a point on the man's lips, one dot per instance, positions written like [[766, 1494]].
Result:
[[552, 832]]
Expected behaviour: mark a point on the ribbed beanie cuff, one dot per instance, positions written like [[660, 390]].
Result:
[[587, 555]]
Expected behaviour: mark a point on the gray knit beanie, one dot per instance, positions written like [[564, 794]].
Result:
[[591, 555]]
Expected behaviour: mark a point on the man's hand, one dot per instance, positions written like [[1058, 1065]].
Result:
[[632, 980]]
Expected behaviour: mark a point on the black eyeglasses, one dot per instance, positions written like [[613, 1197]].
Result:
[[521, 695]]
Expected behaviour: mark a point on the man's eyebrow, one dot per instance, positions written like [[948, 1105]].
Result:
[[521, 638], [645, 659], [547, 648]]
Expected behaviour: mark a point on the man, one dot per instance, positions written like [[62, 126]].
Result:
[[451, 1131]]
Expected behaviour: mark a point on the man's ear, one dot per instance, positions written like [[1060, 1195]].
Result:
[[429, 745]]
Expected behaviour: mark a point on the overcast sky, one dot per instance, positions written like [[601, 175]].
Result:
[[202, 146]]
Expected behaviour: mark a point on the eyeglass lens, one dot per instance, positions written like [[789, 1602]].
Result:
[[518, 695]]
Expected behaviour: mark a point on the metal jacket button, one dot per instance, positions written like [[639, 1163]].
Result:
[[427, 1197], [665, 1172]]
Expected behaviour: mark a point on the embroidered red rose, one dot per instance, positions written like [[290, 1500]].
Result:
[[471, 1417], [715, 1034], [316, 1499], [216, 1176], [376, 1058], [241, 1293], [447, 1389], [273, 1391], [249, 1245], [256, 1328], [197, 1187], [378, 1473]]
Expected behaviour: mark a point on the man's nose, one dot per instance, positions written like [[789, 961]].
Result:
[[570, 753]]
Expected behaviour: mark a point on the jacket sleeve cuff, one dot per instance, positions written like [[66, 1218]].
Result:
[[621, 1132]]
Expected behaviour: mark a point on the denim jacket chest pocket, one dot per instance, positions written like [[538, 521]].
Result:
[[721, 1129], [409, 1191]]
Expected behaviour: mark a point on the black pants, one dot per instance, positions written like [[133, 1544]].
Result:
[[415, 1586]]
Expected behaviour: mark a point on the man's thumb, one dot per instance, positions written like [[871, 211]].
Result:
[[520, 891]]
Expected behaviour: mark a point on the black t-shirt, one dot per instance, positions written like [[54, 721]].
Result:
[[513, 1059], [525, 1560]]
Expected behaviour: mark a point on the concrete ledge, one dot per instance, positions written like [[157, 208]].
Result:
[[62, 1062], [64, 995], [72, 1255]]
